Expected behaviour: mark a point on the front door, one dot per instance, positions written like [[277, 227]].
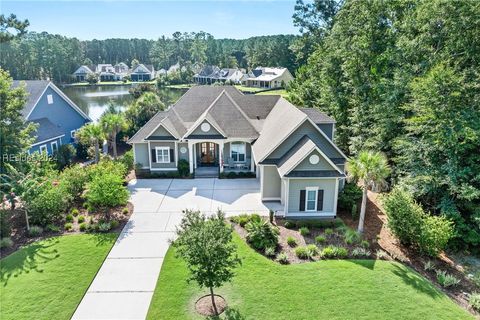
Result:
[[207, 150]]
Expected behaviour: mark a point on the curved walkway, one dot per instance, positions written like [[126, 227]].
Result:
[[125, 282]]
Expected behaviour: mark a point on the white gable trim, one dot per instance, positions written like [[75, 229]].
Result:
[[64, 97], [50, 139], [309, 153], [142, 66], [161, 124]]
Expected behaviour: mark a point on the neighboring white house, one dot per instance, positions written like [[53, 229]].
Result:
[[211, 74], [104, 71], [265, 77]]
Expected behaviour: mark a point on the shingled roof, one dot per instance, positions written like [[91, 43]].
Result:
[[46, 130], [34, 88]]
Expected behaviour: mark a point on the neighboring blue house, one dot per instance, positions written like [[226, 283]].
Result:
[[57, 116]]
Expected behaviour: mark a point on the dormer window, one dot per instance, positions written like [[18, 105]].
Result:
[[49, 99]]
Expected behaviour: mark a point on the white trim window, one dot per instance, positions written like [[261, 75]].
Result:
[[238, 151], [311, 196], [54, 146], [49, 99], [72, 134], [163, 154], [43, 148]]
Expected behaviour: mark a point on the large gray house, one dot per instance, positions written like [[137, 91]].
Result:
[[291, 150]]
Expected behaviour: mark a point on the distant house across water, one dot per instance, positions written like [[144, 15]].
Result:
[[211, 74], [265, 77], [108, 72]]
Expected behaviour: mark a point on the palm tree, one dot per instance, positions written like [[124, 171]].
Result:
[[92, 134], [112, 124], [369, 169]]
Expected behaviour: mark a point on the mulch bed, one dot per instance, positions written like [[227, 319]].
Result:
[[204, 305], [20, 236], [377, 233]]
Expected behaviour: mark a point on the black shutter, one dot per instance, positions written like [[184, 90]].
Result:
[[154, 155], [172, 159], [302, 200], [320, 200]]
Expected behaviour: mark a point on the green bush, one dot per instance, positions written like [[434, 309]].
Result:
[[342, 229], [352, 237], [349, 196], [360, 252], [302, 252], [106, 190], [446, 280], [6, 242], [83, 226], [328, 231], [64, 155], [320, 239], [382, 255], [354, 211], [282, 258], [291, 241], [183, 168], [114, 224], [365, 244], [289, 224], [261, 234], [125, 211], [304, 231], [474, 300], [334, 252], [74, 212], [52, 228], [69, 218], [413, 226], [81, 219], [107, 166], [429, 266], [104, 227], [312, 250], [68, 226], [5, 229], [270, 251], [127, 160], [35, 231], [243, 219], [73, 179]]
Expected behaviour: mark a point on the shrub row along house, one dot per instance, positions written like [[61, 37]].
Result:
[[220, 129], [261, 77], [118, 72], [57, 117]]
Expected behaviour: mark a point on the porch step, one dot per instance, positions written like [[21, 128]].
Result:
[[206, 172]]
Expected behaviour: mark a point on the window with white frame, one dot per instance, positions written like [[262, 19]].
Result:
[[237, 151], [163, 154], [54, 146], [72, 134], [49, 99], [43, 148], [311, 199]]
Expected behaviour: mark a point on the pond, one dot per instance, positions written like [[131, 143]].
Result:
[[94, 100]]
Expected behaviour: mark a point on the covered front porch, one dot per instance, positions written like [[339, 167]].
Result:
[[221, 155]]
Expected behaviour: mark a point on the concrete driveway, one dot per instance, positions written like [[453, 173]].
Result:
[[125, 283]]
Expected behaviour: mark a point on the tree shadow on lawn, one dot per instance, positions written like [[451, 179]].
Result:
[[104, 238], [415, 280], [229, 314], [28, 259], [366, 263]]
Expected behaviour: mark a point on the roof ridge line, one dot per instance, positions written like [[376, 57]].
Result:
[[241, 111]]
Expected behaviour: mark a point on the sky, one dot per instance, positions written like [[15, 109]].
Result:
[[88, 20]]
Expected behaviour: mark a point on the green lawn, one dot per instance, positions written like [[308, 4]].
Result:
[[47, 279], [281, 92], [334, 289]]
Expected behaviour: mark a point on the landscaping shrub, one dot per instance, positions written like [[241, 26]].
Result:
[[328, 231], [342, 229], [429, 266], [334, 252], [183, 168], [270, 251], [127, 160], [6, 242], [382, 254], [289, 224], [107, 166], [81, 219], [312, 250], [53, 228], [103, 226], [74, 212], [114, 224], [125, 211], [413, 226], [5, 229], [261, 234], [474, 300], [35, 231], [352, 237], [301, 252], [365, 244], [446, 280], [68, 226], [69, 218], [304, 231], [106, 190], [83, 226], [73, 179], [282, 258], [64, 155], [350, 196], [291, 241], [243, 219], [270, 215], [360, 252], [320, 239]]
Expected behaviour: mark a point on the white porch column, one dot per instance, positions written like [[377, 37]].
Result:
[[195, 156], [220, 156], [252, 163], [190, 155]]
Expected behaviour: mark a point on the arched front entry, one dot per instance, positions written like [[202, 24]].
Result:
[[207, 154]]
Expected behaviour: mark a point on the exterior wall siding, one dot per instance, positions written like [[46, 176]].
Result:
[[327, 128], [161, 131], [155, 165], [59, 113], [305, 129], [141, 154], [181, 155], [271, 182], [48, 143], [295, 185], [211, 132], [306, 165]]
